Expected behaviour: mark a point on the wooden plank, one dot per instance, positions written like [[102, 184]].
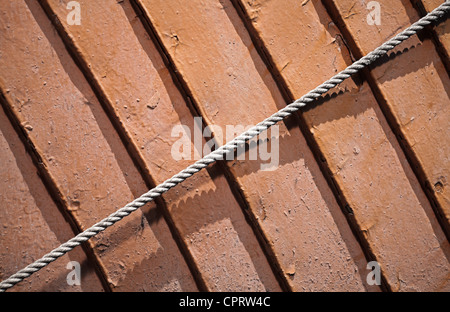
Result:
[[127, 70], [364, 159], [29, 215], [418, 118], [441, 31], [292, 205], [80, 153]]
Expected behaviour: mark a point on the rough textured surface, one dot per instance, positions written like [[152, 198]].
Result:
[[292, 204], [95, 105], [28, 214], [81, 152], [419, 120], [131, 74], [363, 156], [442, 30]]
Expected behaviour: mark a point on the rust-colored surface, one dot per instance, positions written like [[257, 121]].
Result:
[[147, 105], [292, 204], [442, 31], [418, 120], [363, 156], [81, 152], [362, 175], [32, 225]]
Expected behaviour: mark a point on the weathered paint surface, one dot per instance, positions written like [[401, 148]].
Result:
[[292, 205], [420, 119], [362, 154], [442, 30], [32, 224], [83, 155], [146, 103], [96, 104]]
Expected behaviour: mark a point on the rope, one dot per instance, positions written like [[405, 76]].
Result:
[[230, 147]]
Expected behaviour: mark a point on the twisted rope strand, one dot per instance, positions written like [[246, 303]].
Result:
[[230, 147]]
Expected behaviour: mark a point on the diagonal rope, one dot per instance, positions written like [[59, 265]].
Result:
[[230, 147]]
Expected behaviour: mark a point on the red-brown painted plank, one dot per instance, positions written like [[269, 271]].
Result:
[[362, 154], [130, 74], [31, 224], [292, 205], [442, 30], [413, 89], [81, 153]]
